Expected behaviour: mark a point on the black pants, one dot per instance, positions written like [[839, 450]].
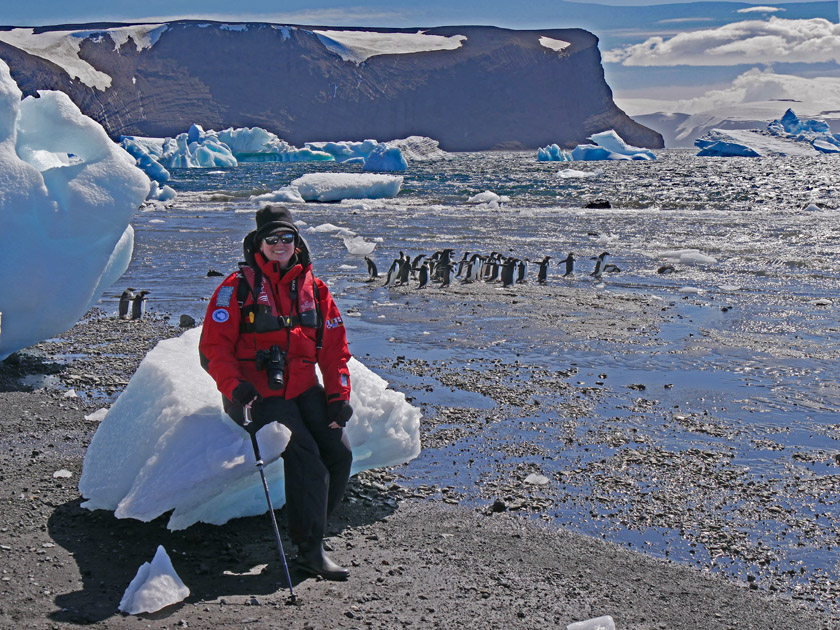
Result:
[[316, 462]]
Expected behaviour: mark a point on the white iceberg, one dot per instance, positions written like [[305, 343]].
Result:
[[608, 145], [167, 444], [155, 586], [338, 186], [358, 246], [787, 136], [67, 192], [286, 194], [688, 257], [490, 198]]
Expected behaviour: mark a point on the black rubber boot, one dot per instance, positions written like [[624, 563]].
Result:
[[312, 559]]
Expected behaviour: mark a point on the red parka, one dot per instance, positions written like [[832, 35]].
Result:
[[228, 346]]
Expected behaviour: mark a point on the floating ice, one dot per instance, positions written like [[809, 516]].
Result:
[[384, 158], [571, 173], [338, 186], [155, 586], [490, 198], [167, 444], [688, 257], [786, 136], [358, 246], [68, 193], [694, 290], [608, 146], [286, 194]]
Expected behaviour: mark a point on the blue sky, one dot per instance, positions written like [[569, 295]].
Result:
[[397, 13], [677, 56]]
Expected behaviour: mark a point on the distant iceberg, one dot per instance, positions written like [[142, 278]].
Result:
[[228, 148], [608, 145], [337, 186], [785, 136]]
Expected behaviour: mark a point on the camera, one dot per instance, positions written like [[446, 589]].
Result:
[[273, 361]]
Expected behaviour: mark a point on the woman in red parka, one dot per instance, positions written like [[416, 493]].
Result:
[[266, 328]]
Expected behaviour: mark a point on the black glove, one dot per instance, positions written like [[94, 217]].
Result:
[[339, 411], [245, 393]]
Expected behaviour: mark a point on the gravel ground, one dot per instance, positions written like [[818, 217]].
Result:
[[417, 558]]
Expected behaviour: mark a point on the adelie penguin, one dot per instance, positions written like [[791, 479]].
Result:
[[599, 264], [138, 305], [373, 272], [542, 274], [125, 302], [569, 262], [423, 275]]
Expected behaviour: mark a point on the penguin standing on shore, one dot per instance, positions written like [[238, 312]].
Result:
[[138, 305], [542, 274], [599, 264], [373, 272], [423, 275], [569, 261], [125, 300], [507, 268], [522, 271]]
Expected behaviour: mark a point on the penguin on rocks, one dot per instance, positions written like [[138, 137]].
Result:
[[125, 301], [423, 275], [507, 269], [392, 272], [522, 270], [599, 264], [373, 272], [542, 274], [138, 305], [569, 261]]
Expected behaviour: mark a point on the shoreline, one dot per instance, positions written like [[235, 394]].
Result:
[[415, 561]]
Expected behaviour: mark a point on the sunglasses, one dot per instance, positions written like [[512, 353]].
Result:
[[286, 239]]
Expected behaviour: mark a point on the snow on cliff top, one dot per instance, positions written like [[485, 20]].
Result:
[[358, 46], [62, 47]]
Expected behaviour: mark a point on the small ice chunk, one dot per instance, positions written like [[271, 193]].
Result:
[[536, 479], [821, 302], [688, 257], [98, 415], [571, 173], [488, 196], [70, 393], [599, 623], [358, 245], [155, 586], [62, 474], [696, 290]]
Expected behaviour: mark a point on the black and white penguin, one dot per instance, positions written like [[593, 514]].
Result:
[[599, 264], [542, 274], [125, 301], [404, 271], [138, 305], [569, 261], [423, 275], [522, 271], [392, 272], [507, 268], [373, 272], [445, 274]]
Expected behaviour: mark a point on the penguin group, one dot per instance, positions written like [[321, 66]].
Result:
[[132, 305], [443, 269]]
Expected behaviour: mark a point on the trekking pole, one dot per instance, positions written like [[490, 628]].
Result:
[[260, 466]]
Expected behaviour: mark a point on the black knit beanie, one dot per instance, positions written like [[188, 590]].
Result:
[[271, 219]]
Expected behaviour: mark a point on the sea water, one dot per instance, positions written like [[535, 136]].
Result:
[[775, 283]]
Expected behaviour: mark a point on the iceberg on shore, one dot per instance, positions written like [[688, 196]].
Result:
[[608, 145], [67, 192], [167, 444], [786, 136]]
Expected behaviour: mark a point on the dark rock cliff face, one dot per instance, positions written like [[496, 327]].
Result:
[[501, 89]]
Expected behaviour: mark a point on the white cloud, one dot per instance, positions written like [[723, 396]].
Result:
[[760, 10], [811, 96], [749, 42]]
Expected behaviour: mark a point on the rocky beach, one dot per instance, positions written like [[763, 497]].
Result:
[[485, 552]]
